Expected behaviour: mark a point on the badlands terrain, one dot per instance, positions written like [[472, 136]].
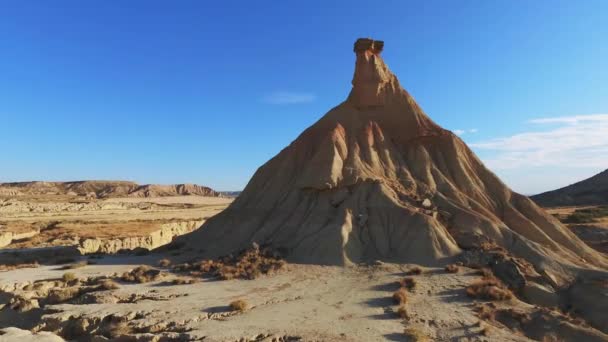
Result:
[[375, 224]]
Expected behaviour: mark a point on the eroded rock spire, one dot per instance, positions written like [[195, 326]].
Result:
[[372, 82]]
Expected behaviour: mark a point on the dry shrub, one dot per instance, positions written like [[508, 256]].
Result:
[[414, 271], [400, 296], [402, 312], [68, 277], [60, 295], [452, 268], [248, 264], [408, 283], [486, 312], [164, 262], [182, 281], [415, 335], [108, 284], [141, 274], [239, 305], [489, 288]]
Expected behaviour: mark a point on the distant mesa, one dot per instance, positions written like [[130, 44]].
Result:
[[591, 191], [103, 189], [376, 179]]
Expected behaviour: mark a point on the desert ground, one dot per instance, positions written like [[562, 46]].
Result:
[[112, 223], [299, 303]]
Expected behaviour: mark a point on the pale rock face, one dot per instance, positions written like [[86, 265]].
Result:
[[352, 188]]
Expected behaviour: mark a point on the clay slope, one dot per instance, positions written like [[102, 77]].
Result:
[[591, 191], [102, 189], [376, 178]]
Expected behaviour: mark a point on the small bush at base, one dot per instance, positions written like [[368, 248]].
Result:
[[239, 305], [490, 289], [402, 312], [141, 274], [408, 283], [108, 284], [400, 296], [68, 277], [416, 335]]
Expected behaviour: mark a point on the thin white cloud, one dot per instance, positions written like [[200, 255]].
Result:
[[571, 119], [286, 97], [465, 131], [577, 141]]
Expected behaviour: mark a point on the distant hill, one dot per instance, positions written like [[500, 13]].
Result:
[[591, 191], [103, 189]]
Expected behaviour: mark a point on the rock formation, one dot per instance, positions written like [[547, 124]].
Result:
[[376, 179], [591, 191], [102, 189]]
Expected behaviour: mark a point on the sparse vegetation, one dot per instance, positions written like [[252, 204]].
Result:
[[141, 274], [452, 268], [182, 281], [587, 215], [489, 288], [403, 313], [62, 295], [400, 296], [408, 283], [414, 271], [248, 264], [108, 284], [68, 277], [239, 305], [415, 335]]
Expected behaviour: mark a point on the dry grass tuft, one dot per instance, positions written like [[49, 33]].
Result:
[[452, 268], [415, 335], [68, 277], [164, 262], [403, 313], [141, 274], [108, 284], [486, 312], [61, 295], [414, 271], [400, 296], [248, 264], [489, 289], [239, 305], [183, 281], [408, 283]]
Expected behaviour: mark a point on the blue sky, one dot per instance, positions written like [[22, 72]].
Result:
[[207, 91]]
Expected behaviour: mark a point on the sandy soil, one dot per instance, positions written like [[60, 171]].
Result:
[[305, 302]]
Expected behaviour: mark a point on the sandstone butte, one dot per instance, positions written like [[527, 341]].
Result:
[[376, 179]]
